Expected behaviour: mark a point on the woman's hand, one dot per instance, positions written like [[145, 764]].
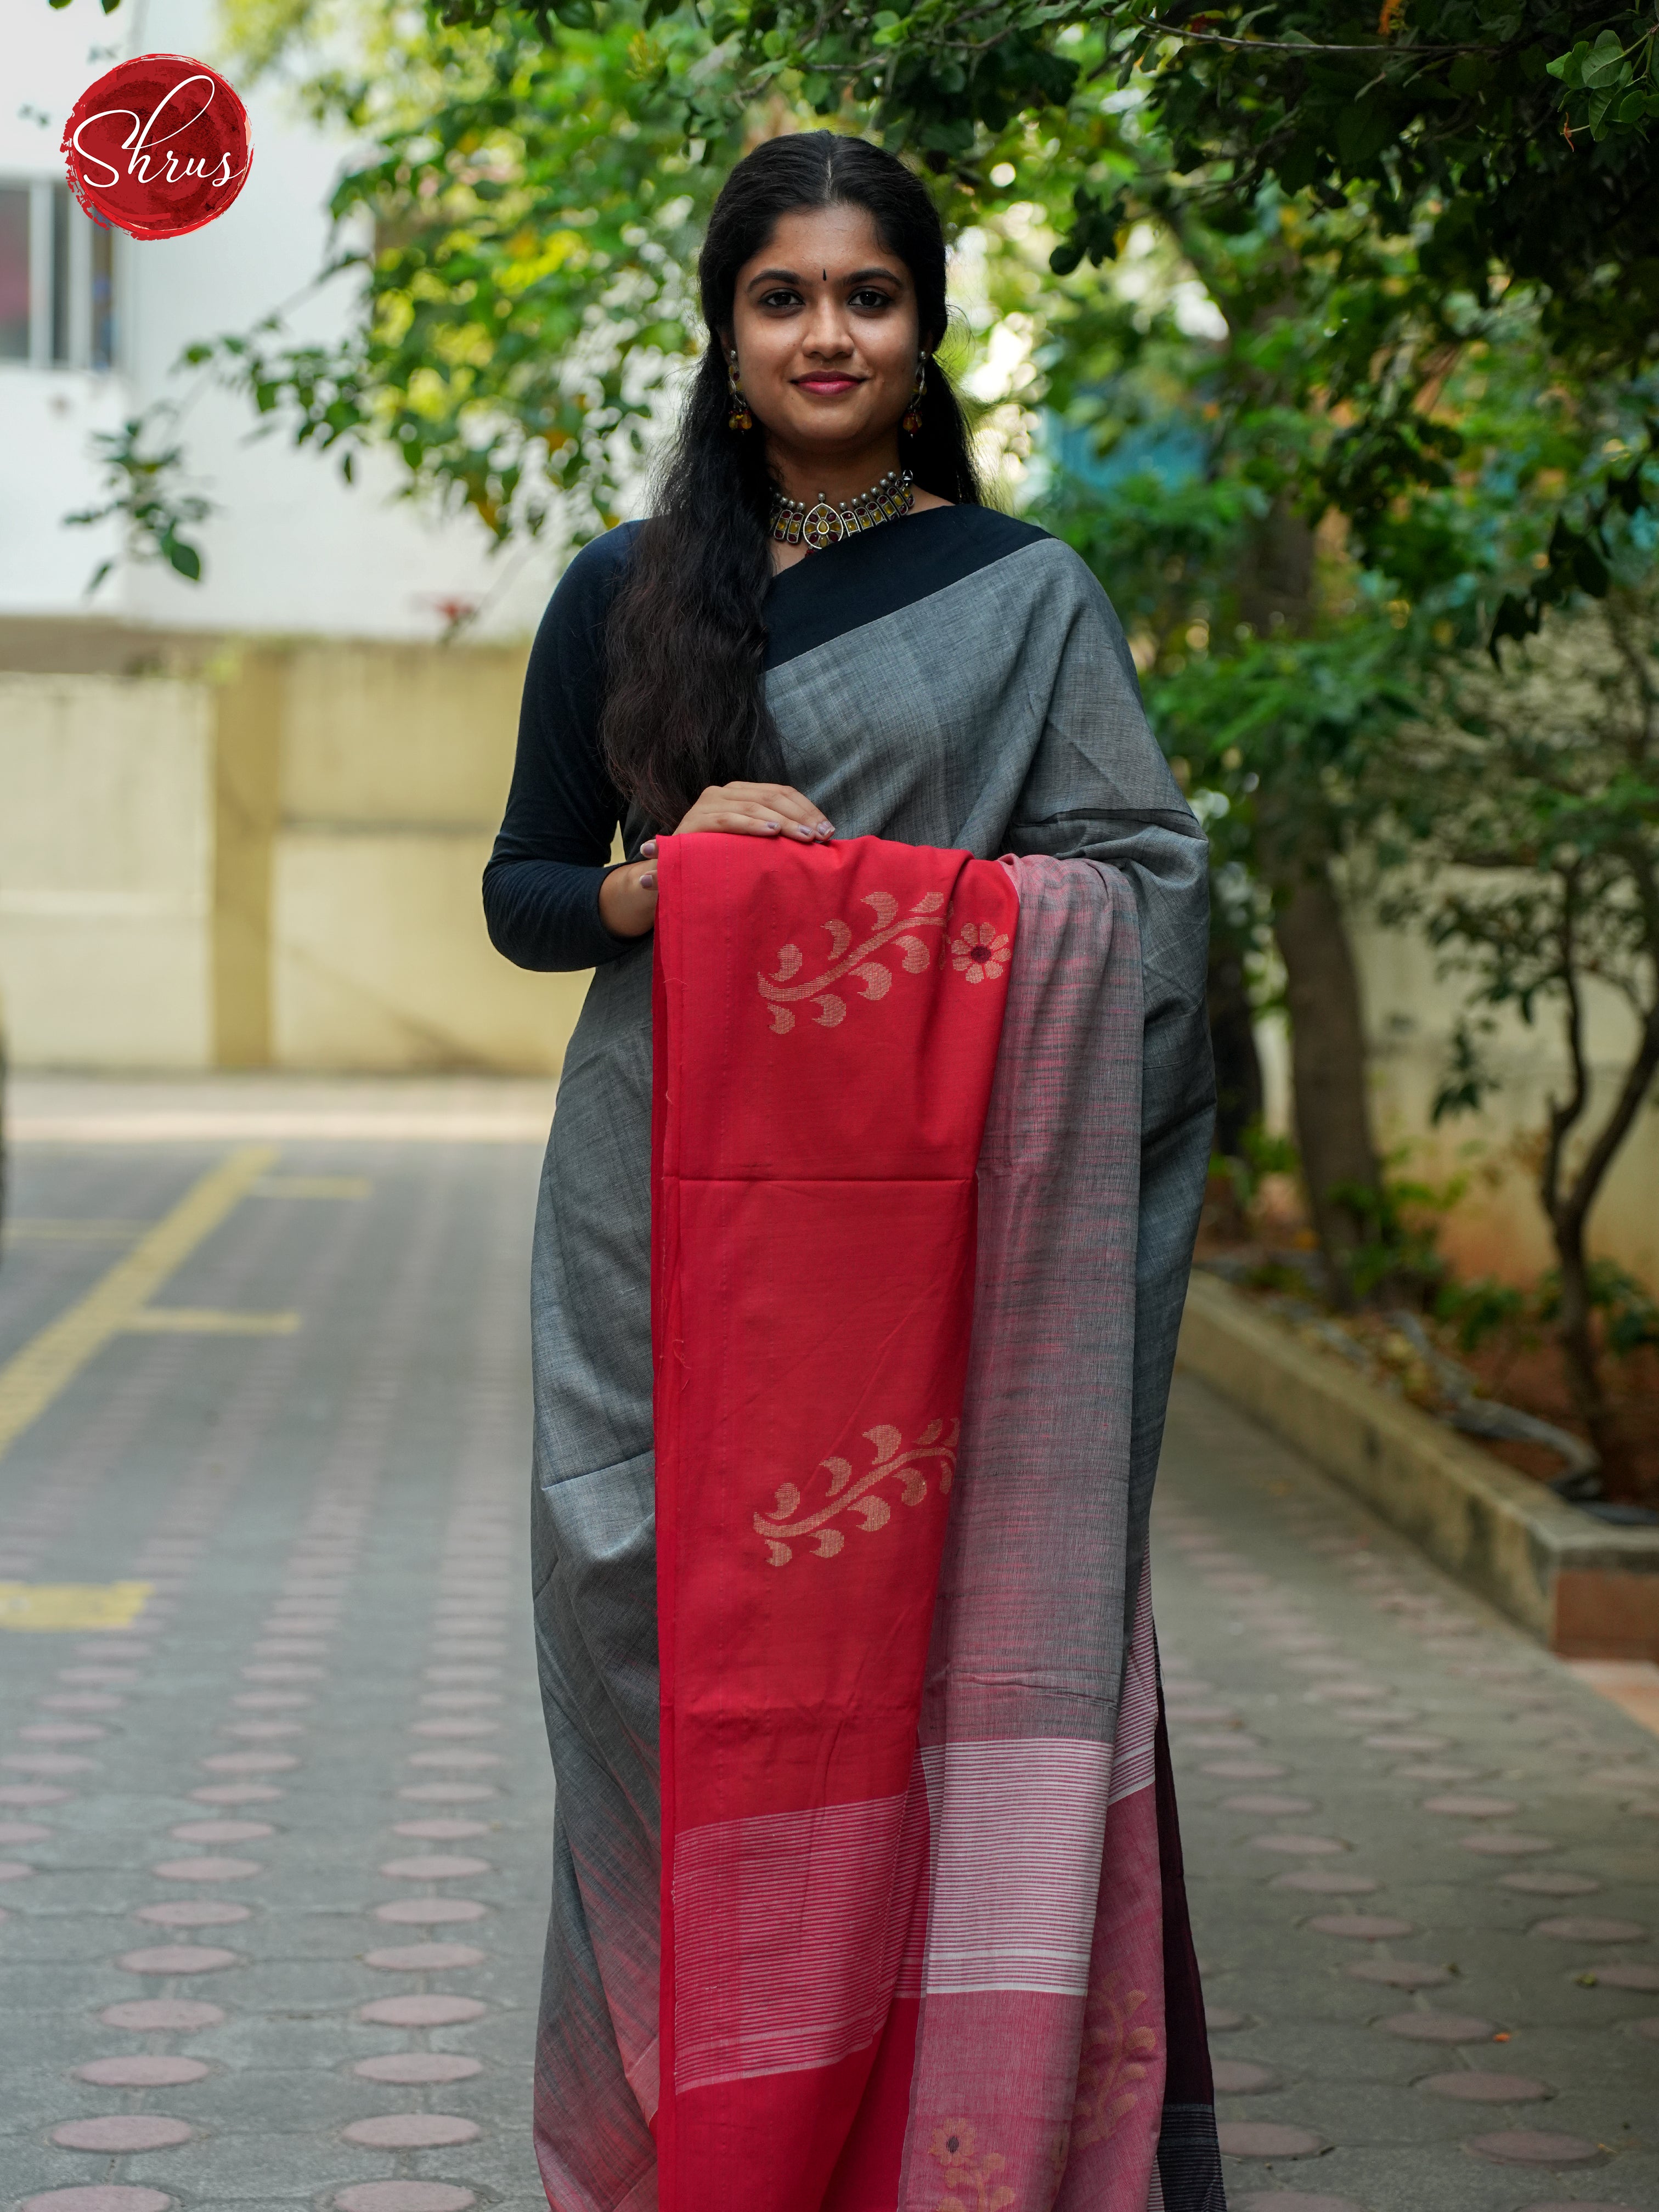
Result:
[[628, 895], [754, 809], [628, 898]]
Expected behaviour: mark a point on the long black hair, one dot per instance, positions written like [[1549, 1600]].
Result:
[[686, 640]]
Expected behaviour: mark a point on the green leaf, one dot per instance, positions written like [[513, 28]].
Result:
[[1607, 64]]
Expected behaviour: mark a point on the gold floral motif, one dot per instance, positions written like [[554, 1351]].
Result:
[[788, 1524], [1112, 2060], [971, 2175], [982, 951]]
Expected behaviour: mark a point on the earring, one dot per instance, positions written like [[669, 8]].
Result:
[[739, 417], [912, 420]]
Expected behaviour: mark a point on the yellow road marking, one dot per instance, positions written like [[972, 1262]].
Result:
[[34, 1377], [72, 1605], [209, 1321]]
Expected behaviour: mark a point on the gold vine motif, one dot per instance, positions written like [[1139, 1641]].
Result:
[[979, 953], [1114, 2056], [788, 1525]]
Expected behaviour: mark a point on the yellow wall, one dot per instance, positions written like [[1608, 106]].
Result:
[[1498, 1226], [273, 861]]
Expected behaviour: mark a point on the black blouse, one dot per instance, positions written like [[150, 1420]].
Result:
[[541, 888]]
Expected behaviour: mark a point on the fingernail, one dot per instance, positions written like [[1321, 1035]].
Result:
[[649, 850], [825, 829], [647, 882]]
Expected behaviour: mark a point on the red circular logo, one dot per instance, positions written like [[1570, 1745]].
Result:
[[158, 147]]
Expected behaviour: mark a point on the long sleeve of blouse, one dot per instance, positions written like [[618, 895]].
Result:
[[541, 887]]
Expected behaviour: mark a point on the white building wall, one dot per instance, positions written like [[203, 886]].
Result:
[[292, 549]]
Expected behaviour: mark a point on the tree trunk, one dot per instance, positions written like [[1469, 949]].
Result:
[[1577, 1342], [1232, 1040], [1328, 1063]]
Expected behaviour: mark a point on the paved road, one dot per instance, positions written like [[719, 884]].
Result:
[[275, 1850]]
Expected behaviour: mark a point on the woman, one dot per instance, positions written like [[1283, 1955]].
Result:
[[823, 645]]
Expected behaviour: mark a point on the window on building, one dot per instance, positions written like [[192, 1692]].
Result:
[[57, 279]]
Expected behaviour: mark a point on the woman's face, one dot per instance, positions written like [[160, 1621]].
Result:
[[825, 328]]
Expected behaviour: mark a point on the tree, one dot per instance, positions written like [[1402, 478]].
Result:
[[1538, 881]]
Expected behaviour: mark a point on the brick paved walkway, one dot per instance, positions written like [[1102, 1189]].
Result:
[[275, 1854]]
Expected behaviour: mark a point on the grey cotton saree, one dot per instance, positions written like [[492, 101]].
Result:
[[957, 681]]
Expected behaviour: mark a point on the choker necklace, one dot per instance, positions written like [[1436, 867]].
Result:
[[794, 523]]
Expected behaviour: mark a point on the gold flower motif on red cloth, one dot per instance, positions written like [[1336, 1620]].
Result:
[[980, 952], [971, 2175]]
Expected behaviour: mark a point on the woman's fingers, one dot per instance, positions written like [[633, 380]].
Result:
[[757, 810], [627, 899]]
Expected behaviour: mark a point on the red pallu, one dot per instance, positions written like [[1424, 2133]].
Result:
[[816, 1135]]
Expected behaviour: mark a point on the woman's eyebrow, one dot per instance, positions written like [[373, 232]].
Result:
[[792, 277]]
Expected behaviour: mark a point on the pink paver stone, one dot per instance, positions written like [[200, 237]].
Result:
[[459, 1724], [1244, 1770], [22, 1831], [179, 1959], [1586, 1928], [1534, 2147], [115, 2132], [411, 2131], [1504, 1843], [1361, 1927], [210, 1870], [248, 1762], [262, 1731], [221, 1832], [32, 1793], [141, 2069], [15, 1871], [1324, 1882], [419, 2068], [1549, 1885], [423, 1958], [461, 1759], [236, 1793], [62, 1732], [1623, 1976], [1300, 1847], [1295, 2202], [1292, 2200], [429, 1912], [1439, 2027], [1219, 2018], [101, 2197], [1268, 2139], [164, 2015], [1269, 1806], [45, 1762], [1241, 2077], [1399, 1973], [194, 1912], [1475, 2088], [433, 2009], [1464, 1805], [404, 2196], [434, 1866], [438, 1831], [448, 1793]]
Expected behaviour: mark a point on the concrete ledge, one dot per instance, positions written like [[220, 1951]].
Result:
[[1588, 1591]]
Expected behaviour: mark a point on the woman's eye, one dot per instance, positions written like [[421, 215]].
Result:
[[781, 299], [868, 298]]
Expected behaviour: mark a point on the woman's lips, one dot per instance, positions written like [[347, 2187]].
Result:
[[827, 384]]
